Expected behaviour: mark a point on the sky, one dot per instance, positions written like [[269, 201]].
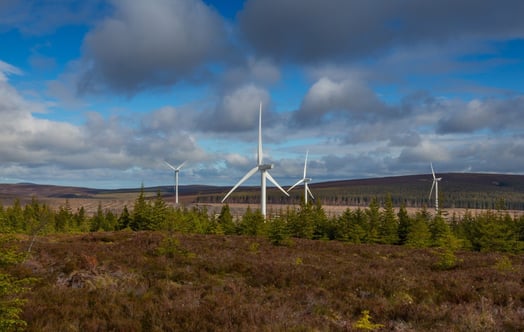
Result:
[[99, 93]]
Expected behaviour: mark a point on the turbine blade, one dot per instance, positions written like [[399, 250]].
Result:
[[305, 164], [309, 191], [181, 165], [247, 176], [275, 183], [296, 184], [259, 152], [432, 171], [431, 191], [170, 166]]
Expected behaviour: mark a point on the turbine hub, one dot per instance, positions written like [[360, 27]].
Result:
[[265, 167], [306, 180]]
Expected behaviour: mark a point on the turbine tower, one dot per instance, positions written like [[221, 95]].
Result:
[[305, 180], [263, 168], [177, 170], [435, 184]]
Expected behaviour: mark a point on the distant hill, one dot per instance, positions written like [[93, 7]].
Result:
[[457, 190]]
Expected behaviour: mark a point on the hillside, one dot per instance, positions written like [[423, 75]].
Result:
[[457, 190], [152, 281]]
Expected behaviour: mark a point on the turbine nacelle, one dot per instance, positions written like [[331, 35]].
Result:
[[265, 167]]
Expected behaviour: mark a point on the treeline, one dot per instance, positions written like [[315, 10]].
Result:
[[494, 230]]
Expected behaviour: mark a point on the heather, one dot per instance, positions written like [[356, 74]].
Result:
[[158, 267]]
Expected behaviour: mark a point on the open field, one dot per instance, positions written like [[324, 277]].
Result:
[[152, 281]]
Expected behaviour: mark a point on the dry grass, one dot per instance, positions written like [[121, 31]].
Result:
[[126, 281]]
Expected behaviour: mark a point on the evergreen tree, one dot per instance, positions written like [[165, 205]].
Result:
[[141, 213], [439, 230], [159, 212], [388, 230], [277, 231], [252, 222], [81, 220], [11, 289], [419, 235], [97, 220], [15, 217], [64, 218], [373, 213], [322, 226], [343, 226], [404, 223], [124, 219], [225, 219], [110, 221]]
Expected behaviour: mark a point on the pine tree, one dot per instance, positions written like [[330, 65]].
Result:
[[141, 213], [404, 223], [11, 289], [97, 220], [419, 235], [252, 222], [225, 219], [388, 230], [124, 219], [159, 212], [373, 213]]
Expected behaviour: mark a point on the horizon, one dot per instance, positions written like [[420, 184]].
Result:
[[99, 94], [255, 185]]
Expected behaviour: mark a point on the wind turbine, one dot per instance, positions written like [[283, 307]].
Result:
[[305, 181], [435, 184], [263, 168], [177, 170]]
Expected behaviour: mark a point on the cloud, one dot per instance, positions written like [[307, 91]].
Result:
[[143, 45], [492, 114], [95, 152], [237, 110], [329, 100], [313, 32]]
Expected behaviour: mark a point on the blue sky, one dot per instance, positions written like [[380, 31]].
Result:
[[98, 93]]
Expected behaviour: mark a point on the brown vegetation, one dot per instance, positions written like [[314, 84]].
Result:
[[158, 281]]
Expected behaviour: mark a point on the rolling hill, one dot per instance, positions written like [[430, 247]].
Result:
[[457, 190]]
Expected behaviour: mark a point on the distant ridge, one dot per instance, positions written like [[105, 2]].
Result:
[[457, 190]]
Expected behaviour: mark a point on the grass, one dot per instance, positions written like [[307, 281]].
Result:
[[152, 281]]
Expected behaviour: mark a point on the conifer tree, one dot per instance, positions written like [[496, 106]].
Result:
[[97, 220], [159, 212], [225, 219], [388, 230], [252, 222], [81, 220], [11, 289], [141, 213], [373, 213], [404, 223], [124, 219], [419, 235]]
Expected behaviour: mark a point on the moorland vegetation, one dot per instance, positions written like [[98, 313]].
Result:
[[159, 267]]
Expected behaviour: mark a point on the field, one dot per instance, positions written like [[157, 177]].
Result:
[[152, 281]]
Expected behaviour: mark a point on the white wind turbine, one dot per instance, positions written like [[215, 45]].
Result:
[[435, 184], [177, 170], [305, 180], [263, 168]]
